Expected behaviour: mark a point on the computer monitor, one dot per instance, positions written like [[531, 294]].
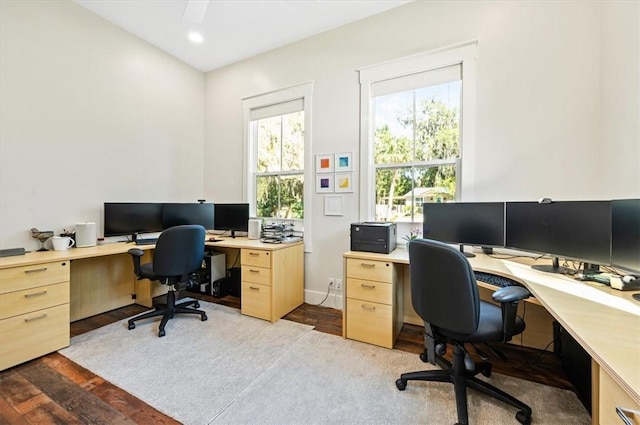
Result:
[[131, 218], [465, 223], [625, 234], [576, 230], [232, 217], [174, 214]]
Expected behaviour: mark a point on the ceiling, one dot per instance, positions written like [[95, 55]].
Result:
[[232, 29]]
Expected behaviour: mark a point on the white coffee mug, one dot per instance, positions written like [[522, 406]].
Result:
[[61, 243]]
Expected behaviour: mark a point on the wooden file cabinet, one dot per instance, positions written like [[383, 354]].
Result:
[[371, 313], [34, 311], [272, 281]]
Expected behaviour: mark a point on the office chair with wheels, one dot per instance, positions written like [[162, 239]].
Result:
[[444, 293], [178, 254]]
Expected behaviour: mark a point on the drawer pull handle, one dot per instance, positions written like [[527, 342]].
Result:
[[31, 319], [35, 294], [42, 269], [254, 271], [369, 307], [622, 412], [368, 265], [254, 253], [254, 288], [366, 286]]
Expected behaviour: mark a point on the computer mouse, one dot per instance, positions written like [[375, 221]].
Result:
[[636, 296]]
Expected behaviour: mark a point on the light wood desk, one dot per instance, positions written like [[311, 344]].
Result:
[[42, 292], [606, 322]]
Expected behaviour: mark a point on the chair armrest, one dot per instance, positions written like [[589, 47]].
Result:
[[511, 293], [136, 254], [508, 297]]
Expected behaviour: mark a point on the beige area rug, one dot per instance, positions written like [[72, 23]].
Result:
[[233, 369]]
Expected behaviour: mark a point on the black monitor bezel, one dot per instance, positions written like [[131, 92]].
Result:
[[240, 225], [176, 214], [630, 229], [603, 258], [469, 208], [153, 222]]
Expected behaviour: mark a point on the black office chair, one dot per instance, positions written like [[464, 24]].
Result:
[[444, 293], [178, 254]]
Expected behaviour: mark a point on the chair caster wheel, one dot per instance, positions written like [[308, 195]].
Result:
[[131, 325], [423, 357], [161, 333], [203, 318], [401, 384], [196, 304], [523, 417], [487, 371]]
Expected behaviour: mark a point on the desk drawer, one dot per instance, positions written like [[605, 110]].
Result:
[[611, 395], [255, 257], [25, 277], [370, 322], [370, 290], [32, 335], [256, 300], [255, 274], [28, 300], [380, 271]]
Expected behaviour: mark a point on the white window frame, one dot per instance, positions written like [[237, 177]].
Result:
[[302, 91], [464, 54]]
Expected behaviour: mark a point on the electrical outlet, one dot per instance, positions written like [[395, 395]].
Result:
[[338, 284], [332, 282]]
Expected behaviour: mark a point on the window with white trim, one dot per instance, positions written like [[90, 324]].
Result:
[[277, 163], [412, 127]]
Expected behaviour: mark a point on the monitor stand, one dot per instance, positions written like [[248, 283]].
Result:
[[233, 233], [555, 267], [466, 254]]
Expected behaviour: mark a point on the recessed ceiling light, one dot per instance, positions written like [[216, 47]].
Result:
[[194, 37]]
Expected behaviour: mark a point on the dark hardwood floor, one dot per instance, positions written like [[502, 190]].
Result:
[[54, 390]]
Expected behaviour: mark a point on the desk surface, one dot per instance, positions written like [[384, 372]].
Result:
[[606, 322], [39, 257]]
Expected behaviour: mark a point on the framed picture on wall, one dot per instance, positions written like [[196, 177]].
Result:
[[343, 182], [343, 162], [324, 163], [324, 183]]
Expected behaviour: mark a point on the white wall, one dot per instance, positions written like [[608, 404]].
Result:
[[90, 113], [538, 110]]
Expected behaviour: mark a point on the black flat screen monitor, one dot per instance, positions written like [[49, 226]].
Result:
[[179, 214], [465, 223], [130, 218], [576, 230], [232, 217], [625, 234]]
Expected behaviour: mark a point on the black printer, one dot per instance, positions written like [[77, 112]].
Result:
[[373, 236]]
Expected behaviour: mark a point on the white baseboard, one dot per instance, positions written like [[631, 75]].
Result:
[[334, 299]]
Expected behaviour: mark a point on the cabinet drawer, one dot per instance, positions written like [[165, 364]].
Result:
[[32, 335], [380, 271], [370, 322], [28, 300], [256, 300], [255, 257], [17, 278], [370, 290], [255, 274], [611, 396]]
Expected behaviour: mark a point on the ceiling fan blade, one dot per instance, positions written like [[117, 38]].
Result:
[[195, 10]]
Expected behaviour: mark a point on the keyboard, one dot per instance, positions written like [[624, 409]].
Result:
[[495, 280], [149, 241]]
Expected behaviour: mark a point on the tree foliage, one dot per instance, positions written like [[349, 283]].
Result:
[[436, 128]]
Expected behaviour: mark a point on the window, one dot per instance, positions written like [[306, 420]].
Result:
[[412, 130], [277, 160], [279, 164]]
